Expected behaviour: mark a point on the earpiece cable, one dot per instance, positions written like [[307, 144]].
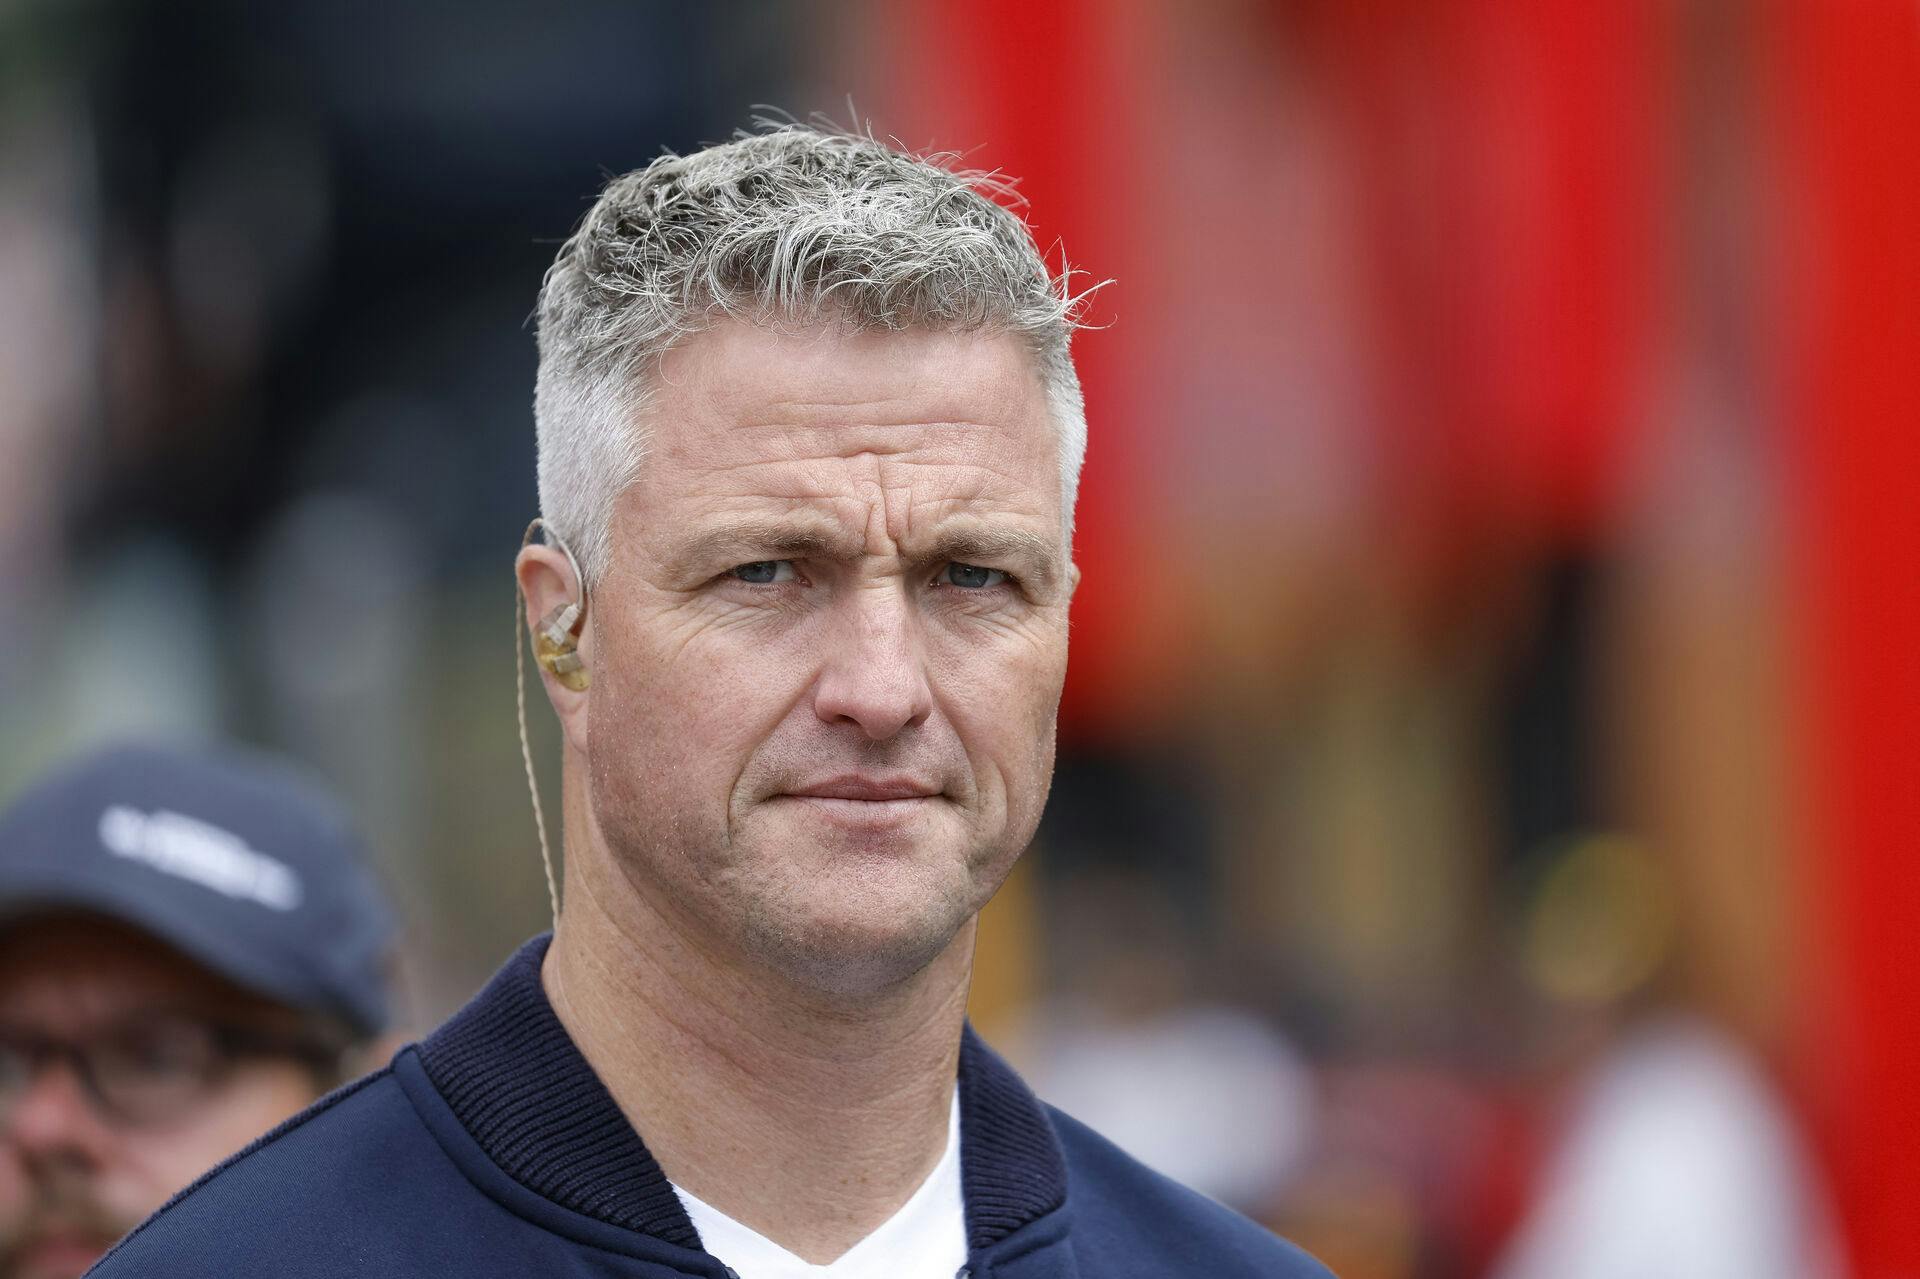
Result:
[[526, 749]]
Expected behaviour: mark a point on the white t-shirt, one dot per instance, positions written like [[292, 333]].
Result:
[[925, 1239]]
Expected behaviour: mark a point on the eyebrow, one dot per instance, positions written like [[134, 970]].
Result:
[[1034, 559], [772, 539]]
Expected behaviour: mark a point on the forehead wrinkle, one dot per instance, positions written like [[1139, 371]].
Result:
[[863, 478], [907, 408], [934, 443], [790, 416], [977, 479]]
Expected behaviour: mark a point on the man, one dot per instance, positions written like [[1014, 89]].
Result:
[[190, 952], [809, 438]]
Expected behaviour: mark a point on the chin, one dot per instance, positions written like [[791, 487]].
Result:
[[861, 945]]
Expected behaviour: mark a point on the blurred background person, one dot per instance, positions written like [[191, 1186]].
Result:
[[191, 950], [1139, 1025], [1667, 1150], [1512, 449]]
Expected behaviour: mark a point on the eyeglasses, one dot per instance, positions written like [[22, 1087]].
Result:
[[152, 1068]]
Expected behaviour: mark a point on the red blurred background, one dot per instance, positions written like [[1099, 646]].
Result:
[[1572, 245]]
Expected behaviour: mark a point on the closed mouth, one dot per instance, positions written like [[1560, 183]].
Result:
[[864, 788]]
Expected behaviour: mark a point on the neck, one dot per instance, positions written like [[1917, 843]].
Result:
[[809, 1117]]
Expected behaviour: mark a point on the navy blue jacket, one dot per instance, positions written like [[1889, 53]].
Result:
[[491, 1149]]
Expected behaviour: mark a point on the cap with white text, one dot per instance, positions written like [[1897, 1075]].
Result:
[[235, 859]]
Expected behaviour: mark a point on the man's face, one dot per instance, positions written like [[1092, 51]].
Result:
[[73, 1176], [828, 651]]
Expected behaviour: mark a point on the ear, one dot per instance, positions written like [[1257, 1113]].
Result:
[[547, 582]]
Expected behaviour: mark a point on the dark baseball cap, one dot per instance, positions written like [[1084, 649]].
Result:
[[235, 859]]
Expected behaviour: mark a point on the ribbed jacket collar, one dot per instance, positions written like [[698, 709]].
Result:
[[511, 1074]]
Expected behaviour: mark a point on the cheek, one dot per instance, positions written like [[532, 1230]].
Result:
[[1004, 704], [669, 724]]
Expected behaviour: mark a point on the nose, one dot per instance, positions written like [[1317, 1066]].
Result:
[[875, 678], [51, 1116]]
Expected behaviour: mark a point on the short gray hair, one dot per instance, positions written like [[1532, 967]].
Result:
[[787, 225]]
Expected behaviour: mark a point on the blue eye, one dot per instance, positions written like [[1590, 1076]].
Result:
[[971, 576], [765, 572]]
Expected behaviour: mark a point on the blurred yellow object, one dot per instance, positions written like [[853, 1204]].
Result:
[[1601, 924], [1006, 958], [1360, 1222]]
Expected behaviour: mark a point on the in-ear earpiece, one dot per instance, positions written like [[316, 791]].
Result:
[[556, 646], [556, 643]]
